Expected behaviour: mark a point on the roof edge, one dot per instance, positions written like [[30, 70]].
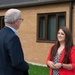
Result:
[[35, 3]]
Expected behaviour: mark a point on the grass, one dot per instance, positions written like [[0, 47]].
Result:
[[38, 70]]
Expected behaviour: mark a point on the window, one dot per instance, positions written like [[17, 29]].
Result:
[[48, 25], [1, 22]]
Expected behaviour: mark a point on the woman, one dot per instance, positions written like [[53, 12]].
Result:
[[61, 57]]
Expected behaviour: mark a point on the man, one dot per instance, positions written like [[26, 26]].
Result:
[[11, 54]]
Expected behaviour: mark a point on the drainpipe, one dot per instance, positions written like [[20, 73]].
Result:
[[71, 15]]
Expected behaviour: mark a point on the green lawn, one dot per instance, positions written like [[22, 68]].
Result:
[[38, 70]]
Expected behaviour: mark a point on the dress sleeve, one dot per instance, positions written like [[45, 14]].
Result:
[[72, 57]]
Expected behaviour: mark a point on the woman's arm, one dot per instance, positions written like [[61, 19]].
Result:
[[66, 66], [72, 57], [48, 62]]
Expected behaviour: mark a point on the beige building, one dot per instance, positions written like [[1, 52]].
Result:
[[42, 19]]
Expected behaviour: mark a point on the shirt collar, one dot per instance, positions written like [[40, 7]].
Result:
[[14, 30]]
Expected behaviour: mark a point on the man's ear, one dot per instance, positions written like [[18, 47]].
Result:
[[14, 21]]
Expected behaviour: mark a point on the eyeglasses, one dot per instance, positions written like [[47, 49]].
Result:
[[21, 19]]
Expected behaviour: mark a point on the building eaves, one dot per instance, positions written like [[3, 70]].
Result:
[[26, 3]]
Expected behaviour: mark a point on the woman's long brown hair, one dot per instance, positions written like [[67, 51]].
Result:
[[68, 45]]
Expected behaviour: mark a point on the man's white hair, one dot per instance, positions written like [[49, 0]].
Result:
[[11, 15]]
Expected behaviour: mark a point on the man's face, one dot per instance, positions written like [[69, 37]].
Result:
[[18, 22]]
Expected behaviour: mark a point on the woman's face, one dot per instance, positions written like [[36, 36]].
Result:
[[61, 36]]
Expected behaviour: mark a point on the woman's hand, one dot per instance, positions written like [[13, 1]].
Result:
[[51, 64], [66, 66], [57, 65]]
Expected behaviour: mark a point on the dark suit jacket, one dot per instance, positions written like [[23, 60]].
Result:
[[11, 54]]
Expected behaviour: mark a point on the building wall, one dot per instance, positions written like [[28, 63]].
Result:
[[73, 31], [34, 51]]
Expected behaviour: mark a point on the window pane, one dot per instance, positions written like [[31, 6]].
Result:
[[42, 27], [52, 28], [61, 21]]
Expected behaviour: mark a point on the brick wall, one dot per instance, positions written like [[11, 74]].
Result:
[[73, 23], [35, 51]]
